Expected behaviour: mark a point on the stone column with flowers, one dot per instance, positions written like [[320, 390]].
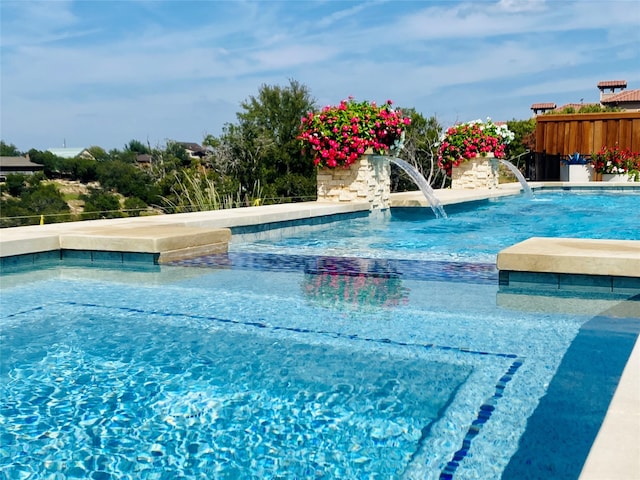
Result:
[[347, 143], [469, 153]]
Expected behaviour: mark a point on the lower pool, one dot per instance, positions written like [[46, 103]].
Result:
[[284, 362], [263, 373]]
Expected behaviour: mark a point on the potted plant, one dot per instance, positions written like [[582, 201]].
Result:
[[338, 138], [338, 135], [615, 163], [462, 147], [576, 168]]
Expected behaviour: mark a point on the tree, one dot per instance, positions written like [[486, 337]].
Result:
[[99, 153], [524, 137], [15, 184], [137, 147], [420, 150], [263, 146], [52, 164], [9, 150], [100, 204], [127, 179]]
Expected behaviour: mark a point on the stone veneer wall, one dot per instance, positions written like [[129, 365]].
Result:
[[366, 180], [480, 172]]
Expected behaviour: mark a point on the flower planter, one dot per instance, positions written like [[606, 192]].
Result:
[[615, 177], [368, 179], [576, 172], [479, 172]]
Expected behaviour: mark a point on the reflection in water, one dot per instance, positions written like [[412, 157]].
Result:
[[356, 282]]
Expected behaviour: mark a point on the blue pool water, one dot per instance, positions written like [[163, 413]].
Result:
[[470, 234], [286, 363]]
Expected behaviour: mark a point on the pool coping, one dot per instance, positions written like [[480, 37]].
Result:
[[202, 232]]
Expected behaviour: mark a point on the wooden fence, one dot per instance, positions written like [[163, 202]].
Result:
[[586, 133]]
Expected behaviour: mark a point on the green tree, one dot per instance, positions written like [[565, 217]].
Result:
[[127, 179], [134, 206], [137, 147], [82, 169], [99, 153], [15, 184], [52, 164], [9, 150], [524, 137], [45, 199], [263, 147], [100, 204]]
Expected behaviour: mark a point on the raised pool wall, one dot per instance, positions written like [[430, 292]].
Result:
[[368, 180]]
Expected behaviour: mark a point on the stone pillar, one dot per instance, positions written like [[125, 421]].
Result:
[[479, 172], [368, 179]]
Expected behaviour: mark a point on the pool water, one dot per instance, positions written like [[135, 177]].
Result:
[[282, 362], [473, 232]]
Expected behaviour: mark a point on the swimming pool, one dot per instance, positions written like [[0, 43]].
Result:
[[289, 364], [473, 232]]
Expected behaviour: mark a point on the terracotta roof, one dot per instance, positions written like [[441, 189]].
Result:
[[543, 106], [613, 84], [626, 96]]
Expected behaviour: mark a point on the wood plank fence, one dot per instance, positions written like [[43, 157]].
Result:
[[586, 133], [558, 136]]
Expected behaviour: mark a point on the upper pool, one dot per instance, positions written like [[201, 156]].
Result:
[[473, 232]]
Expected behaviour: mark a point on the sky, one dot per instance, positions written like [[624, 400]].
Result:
[[104, 72]]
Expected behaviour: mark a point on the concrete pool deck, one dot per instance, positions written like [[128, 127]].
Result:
[[616, 451]]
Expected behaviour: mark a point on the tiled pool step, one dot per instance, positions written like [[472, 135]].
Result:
[[369, 267]]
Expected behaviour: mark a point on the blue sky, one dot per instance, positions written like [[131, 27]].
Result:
[[104, 72]]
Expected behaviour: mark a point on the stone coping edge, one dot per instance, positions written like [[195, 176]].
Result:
[[615, 258]]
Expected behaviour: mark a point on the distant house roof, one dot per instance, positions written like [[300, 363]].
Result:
[[612, 84], [18, 164], [143, 158], [70, 152], [626, 96], [194, 147], [543, 106]]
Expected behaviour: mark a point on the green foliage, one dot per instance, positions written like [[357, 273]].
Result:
[[45, 198], [83, 169], [52, 164], [589, 108], [100, 204], [9, 150], [127, 179], [178, 154], [15, 184], [137, 147], [192, 191], [36, 198], [263, 146], [14, 214], [524, 139], [98, 153], [134, 206]]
